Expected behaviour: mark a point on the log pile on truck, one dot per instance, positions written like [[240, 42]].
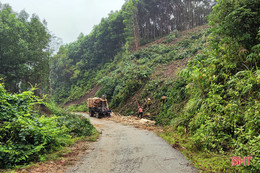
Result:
[[98, 107]]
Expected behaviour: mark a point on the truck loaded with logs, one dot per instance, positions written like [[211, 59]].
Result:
[[98, 107]]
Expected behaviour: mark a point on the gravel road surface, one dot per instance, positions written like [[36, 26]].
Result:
[[125, 149]]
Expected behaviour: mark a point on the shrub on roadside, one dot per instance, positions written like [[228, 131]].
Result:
[[26, 136], [78, 108]]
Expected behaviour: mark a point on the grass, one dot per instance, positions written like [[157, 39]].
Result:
[[205, 161]]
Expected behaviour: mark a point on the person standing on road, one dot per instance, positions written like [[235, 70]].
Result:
[[109, 113], [140, 112]]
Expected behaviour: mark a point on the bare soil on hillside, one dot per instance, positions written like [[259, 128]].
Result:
[[85, 97], [171, 70]]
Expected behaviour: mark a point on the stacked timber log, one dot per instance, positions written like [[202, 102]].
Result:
[[95, 102]]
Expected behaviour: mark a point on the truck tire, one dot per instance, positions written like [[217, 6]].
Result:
[[92, 113], [99, 115]]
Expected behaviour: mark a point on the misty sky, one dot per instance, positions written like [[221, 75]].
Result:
[[68, 18]]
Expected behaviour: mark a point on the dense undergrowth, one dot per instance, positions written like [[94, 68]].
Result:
[[82, 107], [27, 135]]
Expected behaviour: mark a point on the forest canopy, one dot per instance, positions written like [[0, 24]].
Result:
[[25, 51]]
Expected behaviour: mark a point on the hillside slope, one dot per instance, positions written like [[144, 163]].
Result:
[[144, 73], [159, 61]]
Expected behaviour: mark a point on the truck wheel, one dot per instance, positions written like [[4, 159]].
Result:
[[99, 115], [92, 114]]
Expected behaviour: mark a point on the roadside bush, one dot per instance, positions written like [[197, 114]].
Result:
[[78, 108], [27, 137], [24, 136], [76, 124], [54, 108]]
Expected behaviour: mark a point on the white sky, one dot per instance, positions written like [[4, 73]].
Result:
[[68, 18]]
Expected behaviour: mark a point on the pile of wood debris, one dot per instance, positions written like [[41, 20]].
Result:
[[135, 121]]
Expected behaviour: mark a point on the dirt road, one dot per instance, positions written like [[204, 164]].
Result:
[[125, 149]]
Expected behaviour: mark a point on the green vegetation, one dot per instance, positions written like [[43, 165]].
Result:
[[78, 107], [79, 65], [205, 161], [25, 51], [210, 77], [76, 65], [213, 104], [136, 72], [221, 116], [26, 136]]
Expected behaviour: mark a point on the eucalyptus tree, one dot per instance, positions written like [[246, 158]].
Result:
[[149, 19], [25, 52]]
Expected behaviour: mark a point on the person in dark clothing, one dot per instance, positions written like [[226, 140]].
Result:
[[108, 113]]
